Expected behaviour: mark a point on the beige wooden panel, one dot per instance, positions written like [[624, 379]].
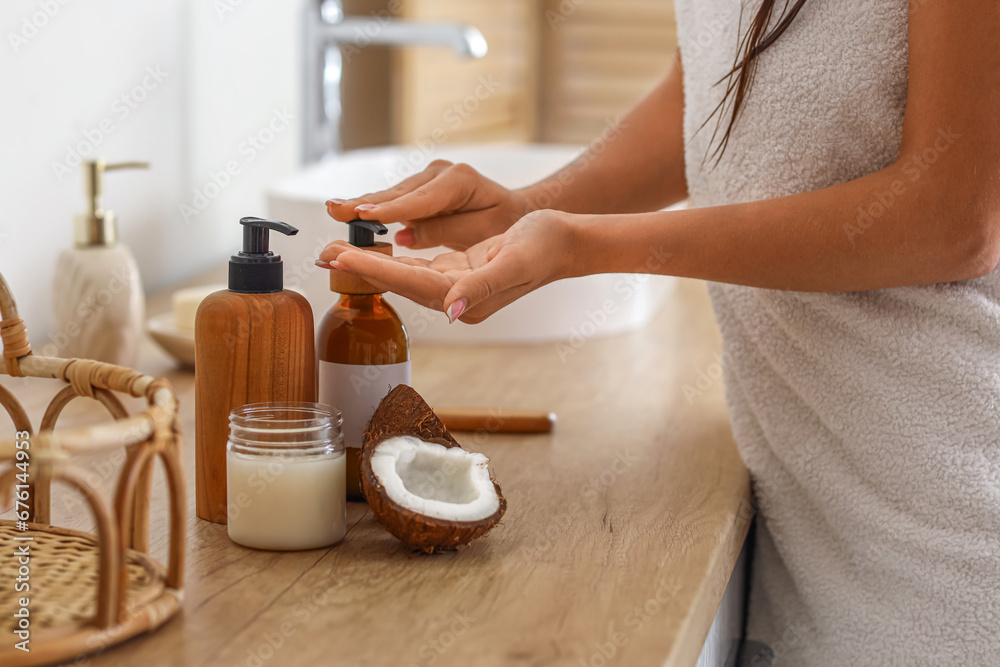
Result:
[[599, 58], [447, 100]]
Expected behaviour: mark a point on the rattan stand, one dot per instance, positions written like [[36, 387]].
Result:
[[87, 592]]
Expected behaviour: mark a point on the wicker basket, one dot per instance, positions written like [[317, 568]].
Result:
[[87, 592]]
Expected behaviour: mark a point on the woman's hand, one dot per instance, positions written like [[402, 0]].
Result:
[[473, 284], [446, 204]]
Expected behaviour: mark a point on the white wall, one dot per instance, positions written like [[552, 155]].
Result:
[[64, 67], [243, 105]]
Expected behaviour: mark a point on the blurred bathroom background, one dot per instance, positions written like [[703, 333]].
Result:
[[209, 92]]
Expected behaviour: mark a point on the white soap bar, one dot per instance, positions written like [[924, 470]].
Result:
[[186, 302]]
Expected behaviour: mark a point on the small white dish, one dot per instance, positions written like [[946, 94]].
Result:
[[178, 343]]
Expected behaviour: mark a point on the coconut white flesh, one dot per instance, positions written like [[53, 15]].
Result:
[[446, 483]]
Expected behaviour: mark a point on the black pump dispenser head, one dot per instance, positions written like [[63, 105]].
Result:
[[255, 269], [362, 234]]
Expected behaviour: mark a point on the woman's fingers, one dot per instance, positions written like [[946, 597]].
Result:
[[478, 313], [447, 283], [447, 204], [344, 209], [411, 278], [457, 231], [501, 273], [457, 188], [333, 250]]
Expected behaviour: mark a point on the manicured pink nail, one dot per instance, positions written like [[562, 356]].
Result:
[[456, 309], [405, 237], [366, 207], [332, 265], [335, 201]]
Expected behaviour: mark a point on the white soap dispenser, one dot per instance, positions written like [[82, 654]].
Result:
[[99, 303]]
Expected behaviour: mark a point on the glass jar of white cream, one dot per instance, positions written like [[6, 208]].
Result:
[[286, 476]]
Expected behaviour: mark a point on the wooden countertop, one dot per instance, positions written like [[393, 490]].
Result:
[[622, 529]]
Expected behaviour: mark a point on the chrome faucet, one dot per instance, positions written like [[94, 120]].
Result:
[[327, 30]]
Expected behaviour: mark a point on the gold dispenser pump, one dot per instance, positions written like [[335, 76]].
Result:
[[97, 226], [97, 297]]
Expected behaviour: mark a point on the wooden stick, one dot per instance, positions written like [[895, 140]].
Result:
[[497, 420]]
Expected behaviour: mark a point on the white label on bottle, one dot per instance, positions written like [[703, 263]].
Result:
[[356, 391]]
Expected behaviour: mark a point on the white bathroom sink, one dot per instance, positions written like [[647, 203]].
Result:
[[569, 310]]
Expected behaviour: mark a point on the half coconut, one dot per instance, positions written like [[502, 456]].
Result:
[[421, 485]]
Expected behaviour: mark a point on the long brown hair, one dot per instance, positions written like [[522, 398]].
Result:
[[740, 78]]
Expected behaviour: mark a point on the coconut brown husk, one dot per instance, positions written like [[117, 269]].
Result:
[[404, 412]]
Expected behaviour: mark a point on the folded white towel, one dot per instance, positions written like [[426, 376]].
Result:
[[870, 421]]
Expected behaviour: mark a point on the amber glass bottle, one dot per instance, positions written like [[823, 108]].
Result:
[[363, 333], [363, 352]]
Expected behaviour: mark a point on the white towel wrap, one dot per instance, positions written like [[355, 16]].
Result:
[[870, 420]]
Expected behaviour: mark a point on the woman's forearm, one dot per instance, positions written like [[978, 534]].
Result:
[[871, 233], [636, 165]]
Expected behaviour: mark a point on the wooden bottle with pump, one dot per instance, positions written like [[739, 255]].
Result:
[[363, 350], [253, 343]]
